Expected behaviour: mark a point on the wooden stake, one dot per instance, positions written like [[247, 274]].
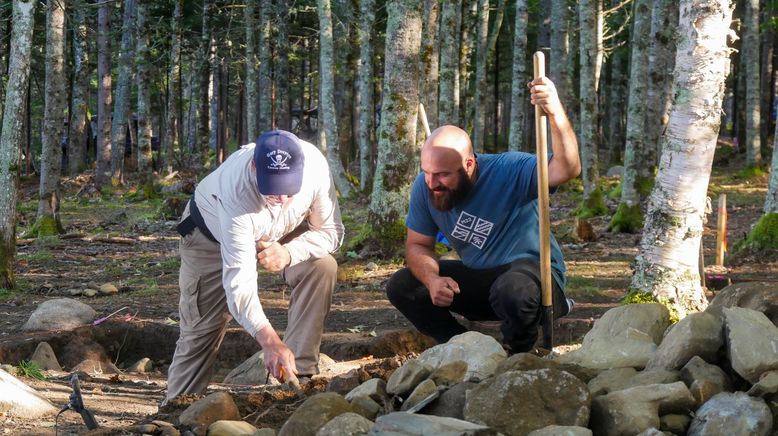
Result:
[[721, 232], [423, 116]]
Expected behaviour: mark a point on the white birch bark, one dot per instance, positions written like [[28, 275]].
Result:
[[750, 50], [397, 148], [121, 107], [143, 64], [252, 71], [11, 132], [77, 135], [172, 121], [430, 54], [366, 94], [448, 100], [53, 117], [667, 264], [519, 78], [327, 115]]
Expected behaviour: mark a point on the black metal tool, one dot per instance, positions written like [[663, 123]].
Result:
[[76, 404]]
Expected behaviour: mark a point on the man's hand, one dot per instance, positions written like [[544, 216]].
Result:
[[442, 290], [543, 93], [276, 354], [273, 256]]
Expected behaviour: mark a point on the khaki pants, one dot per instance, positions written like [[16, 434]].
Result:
[[204, 313]]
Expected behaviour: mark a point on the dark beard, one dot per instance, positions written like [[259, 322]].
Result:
[[454, 196]]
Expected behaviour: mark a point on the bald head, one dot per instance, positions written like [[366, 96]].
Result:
[[451, 138], [448, 164]]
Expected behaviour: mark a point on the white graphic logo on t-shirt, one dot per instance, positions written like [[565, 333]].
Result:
[[472, 229]]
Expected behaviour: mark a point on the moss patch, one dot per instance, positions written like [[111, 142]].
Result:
[[636, 296], [750, 173], [593, 206], [615, 192], [764, 236], [627, 219], [47, 226]]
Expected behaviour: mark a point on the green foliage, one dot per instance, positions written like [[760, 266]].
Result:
[[627, 219], [43, 255], [645, 185], [593, 206], [615, 192], [750, 173], [764, 235], [47, 226], [574, 185], [28, 368], [636, 296]]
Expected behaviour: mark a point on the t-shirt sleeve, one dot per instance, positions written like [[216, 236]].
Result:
[[419, 218], [526, 165]]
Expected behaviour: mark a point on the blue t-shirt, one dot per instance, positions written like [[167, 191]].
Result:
[[497, 222]]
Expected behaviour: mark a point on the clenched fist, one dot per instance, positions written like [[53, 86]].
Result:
[[273, 256]]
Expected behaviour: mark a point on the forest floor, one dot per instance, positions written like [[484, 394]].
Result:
[[112, 238]]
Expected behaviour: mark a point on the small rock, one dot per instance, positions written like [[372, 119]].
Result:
[[91, 366], [142, 366], [73, 292], [344, 383], [406, 377], [45, 358], [732, 414], [561, 430], [704, 380], [314, 413], [347, 424], [615, 171], [251, 372], [409, 424], [753, 342], [265, 432], [421, 392], [766, 385], [200, 415], [611, 380], [231, 428], [451, 402], [449, 374], [59, 314], [365, 406], [371, 266], [146, 428], [481, 352], [698, 334], [88, 292], [108, 289], [374, 388], [676, 424]]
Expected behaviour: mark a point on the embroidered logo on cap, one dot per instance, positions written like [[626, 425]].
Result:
[[278, 160]]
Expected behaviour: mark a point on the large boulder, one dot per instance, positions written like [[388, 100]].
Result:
[[480, 352], [732, 414], [625, 336], [314, 413], [704, 380], [409, 424], [753, 342], [698, 334], [215, 407], [21, 401], [759, 296], [517, 402], [528, 361], [451, 402], [60, 314], [347, 424]]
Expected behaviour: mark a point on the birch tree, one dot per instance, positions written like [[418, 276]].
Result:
[[661, 58], [628, 217], [103, 144], [519, 78], [366, 97], [560, 47], [77, 127], [327, 115], [450, 24], [667, 263], [11, 133], [397, 149], [771, 202], [121, 108], [592, 202], [54, 110], [750, 59], [204, 86], [481, 51], [430, 54], [172, 122], [252, 72], [143, 64]]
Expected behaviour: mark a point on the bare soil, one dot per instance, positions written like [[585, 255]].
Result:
[[131, 244]]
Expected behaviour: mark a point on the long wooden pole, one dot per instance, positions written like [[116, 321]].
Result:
[[544, 223], [721, 230]]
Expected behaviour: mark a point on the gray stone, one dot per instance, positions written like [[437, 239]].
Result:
[[611, 380], [365, 406], [371, 266], [10, 369], [615, 171], [546, 396], [405, 378], [21, 401], [449, 374], [704, 380], [45, 358], [759, 296], [146, 428], [60, 314], [450, 403], [108, 289], [344, 383], [561, 430], [753, 342], [653, 377], [625, 336], [374, 388], [88, 292], [698, 334], [674, 423], [201, 414], [421, 392], [168, 431], [482, 354], [732, 414], [314, 413], [231, 428], [265, 432], [142, 366], [251, 372], [653, 432], [91, 366], [73, 292], [409, 424], [766, 385], [347, 424], [528, 361], [633, 410]]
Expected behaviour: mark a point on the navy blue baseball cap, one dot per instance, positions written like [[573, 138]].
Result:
[[278, 158]]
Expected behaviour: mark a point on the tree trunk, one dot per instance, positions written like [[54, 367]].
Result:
[[544, 25], [667, 264], [214, 61], [252, 72], [143, 64], [77, 136], [751, 61], [518, 136], [343, 91], [617, 95], [592, 203], [366, 97], [450, 24], [771, 201], [430, 53], [204, 88], [282, 102], [661, 57], [54, 111], [265, 96], [560, 47], [767, 41], [574, 39], [103, 144], [121, 107], [468, 40], [11, 133], [481, 52], [628, 217], [327, 115], [398, 161], [172, 121]]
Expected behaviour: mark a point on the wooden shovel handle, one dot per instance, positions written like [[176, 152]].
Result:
[[544, 224]]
